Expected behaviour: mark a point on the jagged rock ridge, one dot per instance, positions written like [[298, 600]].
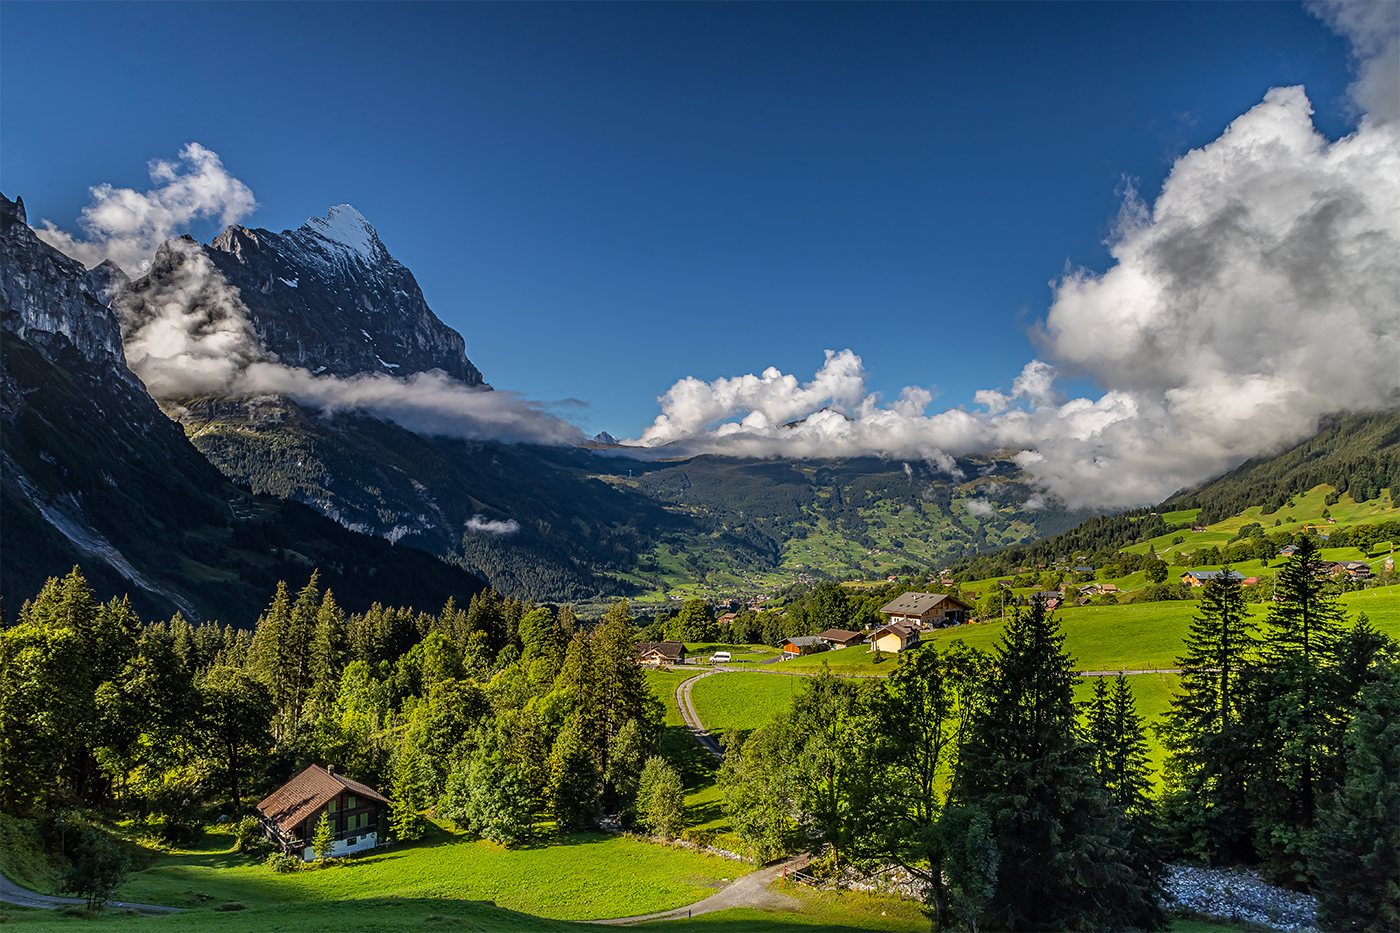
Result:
[[329, 297]]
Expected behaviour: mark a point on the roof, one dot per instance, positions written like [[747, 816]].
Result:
[[804, 641], [666, 649], [1212, 574], [837, 634], [306, 793], [902, 629], [1083, 569], [919, 603]]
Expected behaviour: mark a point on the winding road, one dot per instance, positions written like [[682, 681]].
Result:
[[692, 718], [12, 893]]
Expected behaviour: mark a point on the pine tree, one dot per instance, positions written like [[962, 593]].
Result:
[[574, 783], [1067, 859], [1291, 716], [330, 650], [323, 840], [1356, 853], [1206, 733]]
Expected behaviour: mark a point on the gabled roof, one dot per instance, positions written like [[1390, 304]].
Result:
[[1212, 574], [837, 634], [919, 603], [902, 629], [671, 650], [803, 641], [306, 793]]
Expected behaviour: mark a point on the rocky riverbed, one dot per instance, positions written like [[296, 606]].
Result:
[[1235, 895]]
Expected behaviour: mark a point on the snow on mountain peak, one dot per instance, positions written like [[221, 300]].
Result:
[[348, 227]]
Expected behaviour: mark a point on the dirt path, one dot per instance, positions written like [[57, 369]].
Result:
[[749, 891], [692, 718], [12, 893]]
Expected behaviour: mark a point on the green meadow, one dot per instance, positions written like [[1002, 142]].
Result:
[[743, 701]]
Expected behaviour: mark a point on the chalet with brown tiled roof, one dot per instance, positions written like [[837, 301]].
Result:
[[926, 610], [289, 815], [660, 653], [894, 638], [840, 638]]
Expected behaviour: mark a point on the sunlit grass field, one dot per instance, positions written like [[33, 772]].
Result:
[[576, 876], [743, 701]]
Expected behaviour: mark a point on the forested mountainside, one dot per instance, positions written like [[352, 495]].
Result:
[[94, 475], [568, 524], [1357, 454]]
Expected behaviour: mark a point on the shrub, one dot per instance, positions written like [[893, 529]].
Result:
[[661, 799], [248, 836], [282, 863]]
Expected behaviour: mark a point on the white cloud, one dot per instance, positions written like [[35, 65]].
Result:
[[186, 332], [126, 226], [1373, 29], [1256, 294], [981, 508], [508, 527]]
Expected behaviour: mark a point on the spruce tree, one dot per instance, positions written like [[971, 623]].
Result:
[[1065, 852], [1356, 854], [1205, 733], [1290, 714]]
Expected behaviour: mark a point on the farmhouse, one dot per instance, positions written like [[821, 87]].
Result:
[[1201, 577], [803, 644], [660, 653], [289, 815], [925, 609], [894, 638], [840, 638]]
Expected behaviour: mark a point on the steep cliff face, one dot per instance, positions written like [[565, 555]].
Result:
[[328, 297], [51, 302], [93, 473]]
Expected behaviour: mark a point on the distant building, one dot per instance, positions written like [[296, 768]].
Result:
[[926, 610], [660, 653], [894, 638], [1289, 551], [1201, 577], [803, 644], [727, 618], [840, 638], [290, 814]]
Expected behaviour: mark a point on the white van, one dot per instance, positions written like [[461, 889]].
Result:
[[719, 657]]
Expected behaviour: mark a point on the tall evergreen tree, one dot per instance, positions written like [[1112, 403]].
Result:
[[1066, 857], [1356, 854], [1206, 734], [1290, 713]]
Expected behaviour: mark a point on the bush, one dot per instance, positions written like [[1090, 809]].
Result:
[[282, 863], [248, 836], [97, 866]]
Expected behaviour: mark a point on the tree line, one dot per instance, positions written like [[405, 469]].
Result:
[[497, 716], [1018, 808]]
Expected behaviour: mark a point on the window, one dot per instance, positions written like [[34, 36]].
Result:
[[350, 802], [331, 806]]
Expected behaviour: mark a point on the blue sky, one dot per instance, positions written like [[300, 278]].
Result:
[[606, 198]]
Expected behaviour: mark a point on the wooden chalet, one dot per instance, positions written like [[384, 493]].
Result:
[[289, 815], [926, 610], [660, 653], [799, 645], [1202, 577], [840, 638], [894, 638]]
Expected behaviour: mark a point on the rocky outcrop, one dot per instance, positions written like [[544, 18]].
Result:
[[48, 299], [328, 297]]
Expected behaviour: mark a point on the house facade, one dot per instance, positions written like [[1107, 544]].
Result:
[[803, 644], [290, 814], [1201, 577], [894, 638], [926, 610], [660, 654]]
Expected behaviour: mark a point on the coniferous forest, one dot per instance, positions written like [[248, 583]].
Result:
[[977, 773]]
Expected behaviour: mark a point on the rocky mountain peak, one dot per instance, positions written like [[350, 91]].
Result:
[[347, 227]]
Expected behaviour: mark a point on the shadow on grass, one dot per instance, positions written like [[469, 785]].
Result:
[[696, 765]]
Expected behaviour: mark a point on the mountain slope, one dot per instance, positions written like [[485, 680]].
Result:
[[328, 297], [94, 474], [1356, 453]]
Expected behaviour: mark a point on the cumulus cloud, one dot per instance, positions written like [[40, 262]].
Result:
[[508, 527], [186, 333], [1257, 293], [126, 226], [1372, 27], [979, 507]]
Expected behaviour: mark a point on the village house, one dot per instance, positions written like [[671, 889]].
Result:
[[894, 638], [725, 620], [660, 653], [840, 638], [290, 814], [1201, 577], [803, 644], [1354, 568], [926, 610]]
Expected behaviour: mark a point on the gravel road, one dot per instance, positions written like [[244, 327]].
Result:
[[12, 893]]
